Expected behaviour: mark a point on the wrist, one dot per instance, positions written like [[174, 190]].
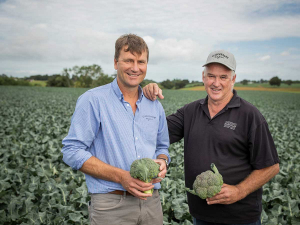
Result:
[[166, 161], [122, 175], [241, 191]]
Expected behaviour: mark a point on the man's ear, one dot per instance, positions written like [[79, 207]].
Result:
[[115, 64], [233, 79]]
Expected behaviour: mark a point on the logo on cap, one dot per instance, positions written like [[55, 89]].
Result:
[[220, 55]]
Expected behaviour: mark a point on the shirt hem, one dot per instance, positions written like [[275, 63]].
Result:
[[224, 221]]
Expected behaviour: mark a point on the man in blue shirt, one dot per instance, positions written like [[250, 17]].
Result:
[[112, 126]]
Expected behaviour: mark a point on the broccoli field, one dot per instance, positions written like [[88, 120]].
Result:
[[36, 187]]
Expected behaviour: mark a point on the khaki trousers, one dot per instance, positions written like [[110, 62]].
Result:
[[112, 209]]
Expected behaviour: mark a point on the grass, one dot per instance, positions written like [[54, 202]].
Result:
[[294, 88], [40, 83]]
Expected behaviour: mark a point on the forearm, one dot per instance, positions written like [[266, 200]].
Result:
[[175, 126], [97, 168], [256, 180]]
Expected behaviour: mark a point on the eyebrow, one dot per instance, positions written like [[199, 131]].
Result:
[[215, 75]]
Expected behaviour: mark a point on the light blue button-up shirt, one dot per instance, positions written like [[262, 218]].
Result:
[[104, 125]]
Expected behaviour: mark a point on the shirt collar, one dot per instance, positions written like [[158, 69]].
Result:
[[233, 103], [141, 94], [116, 89], [119, 93]]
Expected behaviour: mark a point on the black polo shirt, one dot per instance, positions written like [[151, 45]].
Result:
[[237, 140]]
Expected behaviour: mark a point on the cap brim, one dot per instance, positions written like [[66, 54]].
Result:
[[221, 64]]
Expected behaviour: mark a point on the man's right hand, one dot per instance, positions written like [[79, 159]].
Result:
[[152, 90], [136, 186]]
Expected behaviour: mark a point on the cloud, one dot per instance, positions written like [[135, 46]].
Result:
[[264, 58], [174, 50], [57, 34], [285, 53]]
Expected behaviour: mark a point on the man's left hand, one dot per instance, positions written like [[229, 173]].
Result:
[[163, 170], [229, 194]]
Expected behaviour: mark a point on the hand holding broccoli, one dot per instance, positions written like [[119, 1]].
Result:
[[135, 186], [207, 184], [145, 170]]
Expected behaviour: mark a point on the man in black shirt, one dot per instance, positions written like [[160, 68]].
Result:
[[228, 131]]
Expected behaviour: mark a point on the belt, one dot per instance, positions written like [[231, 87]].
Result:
[[118, 192]]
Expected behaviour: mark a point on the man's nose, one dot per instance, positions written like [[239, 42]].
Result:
[[135, 66], [217, 81]]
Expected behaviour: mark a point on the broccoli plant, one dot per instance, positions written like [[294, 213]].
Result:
[[208, 183], [145, 170]]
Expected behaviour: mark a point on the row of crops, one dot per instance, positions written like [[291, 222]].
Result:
[[36, 187]]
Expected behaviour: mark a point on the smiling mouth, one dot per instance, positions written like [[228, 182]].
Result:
[[215, 89], [133, 75]]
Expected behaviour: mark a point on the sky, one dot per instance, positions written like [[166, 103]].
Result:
[[44, 37]]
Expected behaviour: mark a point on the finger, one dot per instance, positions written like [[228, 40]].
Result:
[[222, 191], [153, 91], [140, 195], [146, 92], [217, 201], [162, 163], [142, 186], [217, 196], [224, 185], [160, 95], [162, 173], [156, 180]]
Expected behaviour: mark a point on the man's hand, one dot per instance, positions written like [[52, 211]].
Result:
[[229, 194], [152, 90], [163, 170], [136, 186]]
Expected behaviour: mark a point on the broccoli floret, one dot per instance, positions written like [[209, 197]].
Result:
[[145, 170], [207, 184]]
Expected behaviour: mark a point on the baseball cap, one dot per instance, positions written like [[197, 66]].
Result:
[[223, 57]]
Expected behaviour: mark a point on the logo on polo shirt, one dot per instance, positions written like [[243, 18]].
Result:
[[220, 55], [230, 125]]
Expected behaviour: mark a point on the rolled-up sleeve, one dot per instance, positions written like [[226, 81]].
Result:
[[163, 142], [85, 125]]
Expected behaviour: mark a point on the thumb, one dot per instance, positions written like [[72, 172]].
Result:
[[160, 95]]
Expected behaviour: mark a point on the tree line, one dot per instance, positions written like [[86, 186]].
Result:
[[274, 81], [93, 76]]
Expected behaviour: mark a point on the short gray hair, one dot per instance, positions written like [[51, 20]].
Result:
[[232, 72]]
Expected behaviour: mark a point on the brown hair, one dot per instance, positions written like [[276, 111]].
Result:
[[134, 43]]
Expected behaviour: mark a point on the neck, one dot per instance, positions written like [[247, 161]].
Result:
[[216, 106], [129, 93]]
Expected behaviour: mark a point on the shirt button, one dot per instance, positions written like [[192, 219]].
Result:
[[136, 138], [139, 156], [127, 104]]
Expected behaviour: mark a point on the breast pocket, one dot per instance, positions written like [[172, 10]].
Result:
[[149, 128]]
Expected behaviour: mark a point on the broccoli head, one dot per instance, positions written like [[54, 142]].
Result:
[[145, 170], [208, 183]]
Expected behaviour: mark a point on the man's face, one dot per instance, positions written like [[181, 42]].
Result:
[[131, 68], [218, 83]]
